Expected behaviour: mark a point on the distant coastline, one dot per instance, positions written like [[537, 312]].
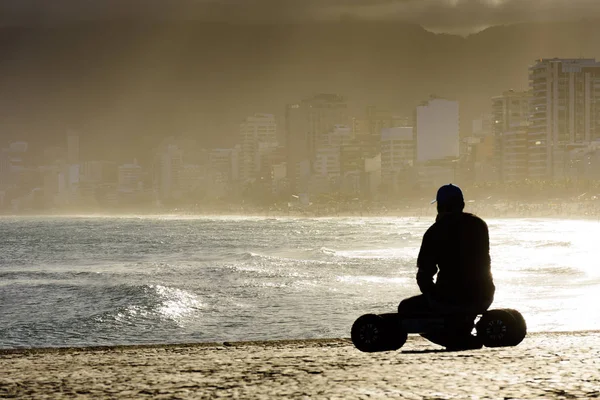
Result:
[[553, 208]]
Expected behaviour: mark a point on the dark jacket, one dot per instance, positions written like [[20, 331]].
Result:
[[457, 248]]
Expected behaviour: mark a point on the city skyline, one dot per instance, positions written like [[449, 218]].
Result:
[[135, 84], [549, 132]]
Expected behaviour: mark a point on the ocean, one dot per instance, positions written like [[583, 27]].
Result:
[[85, 280]]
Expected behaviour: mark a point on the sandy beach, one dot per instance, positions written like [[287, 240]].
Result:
[[544, 365]]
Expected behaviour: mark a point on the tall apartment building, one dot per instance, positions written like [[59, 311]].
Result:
[[256, 133], [327, 166], [4, 168], [74, 175], [306, 122], [482, 126], [437, 130], [437, 142], [168, 169], [510, 117], [13, 165], [99, 172], [376, 120], [130, 177], [72, 148], [223, 165], [397, 155], [565, 111], [360, 126]]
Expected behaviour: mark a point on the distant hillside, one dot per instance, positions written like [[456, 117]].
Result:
[[119, 83]]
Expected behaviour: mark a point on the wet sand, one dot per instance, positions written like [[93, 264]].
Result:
[[559, 365]]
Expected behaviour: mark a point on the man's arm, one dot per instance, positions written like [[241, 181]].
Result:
[[485, 244], [427, 263]]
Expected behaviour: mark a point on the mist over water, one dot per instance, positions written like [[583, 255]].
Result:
[[95, 281]]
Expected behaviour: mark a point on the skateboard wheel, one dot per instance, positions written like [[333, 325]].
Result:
[[372, 333], [501, 327], [520, 329]]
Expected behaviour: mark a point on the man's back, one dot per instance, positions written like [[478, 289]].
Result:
[[457, 244]]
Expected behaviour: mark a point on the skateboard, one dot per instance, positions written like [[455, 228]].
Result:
[[387, 332]]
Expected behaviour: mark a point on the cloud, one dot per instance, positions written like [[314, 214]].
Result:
[[439, 15]]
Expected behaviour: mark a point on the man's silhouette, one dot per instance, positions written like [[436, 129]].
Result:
[[456, 248]]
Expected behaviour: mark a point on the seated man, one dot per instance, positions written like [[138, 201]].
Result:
[[456, 248]]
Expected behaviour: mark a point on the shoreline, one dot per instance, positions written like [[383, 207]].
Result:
[[416, 213], [544, 365], [166, 346], [237, 343]]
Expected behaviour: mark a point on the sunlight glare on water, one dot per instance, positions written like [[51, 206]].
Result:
[[549, 271], [96, 281]]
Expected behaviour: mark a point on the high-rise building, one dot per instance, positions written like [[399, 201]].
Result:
[[192, 178], [130, 177], [327, 163], [270, 155], [437, 130], [14, 165], [170, 162], [565, 110], [99, 172], [482, 126], [510, 119], [306, 123], [4, 168], [397, 155], [378, 119], [360, 127], [223, 165], [256, 133], [72, 148], [324, 112], [327, 167], [437, 142]]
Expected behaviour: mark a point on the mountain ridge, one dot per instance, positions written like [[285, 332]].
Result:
[[134, 83]]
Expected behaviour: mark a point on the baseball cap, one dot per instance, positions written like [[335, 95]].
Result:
[[448, 193]]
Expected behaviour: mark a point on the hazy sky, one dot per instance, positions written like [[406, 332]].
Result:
[[457, 16]]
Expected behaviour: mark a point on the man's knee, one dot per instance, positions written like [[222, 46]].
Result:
[[404, 307], [413, 305]]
